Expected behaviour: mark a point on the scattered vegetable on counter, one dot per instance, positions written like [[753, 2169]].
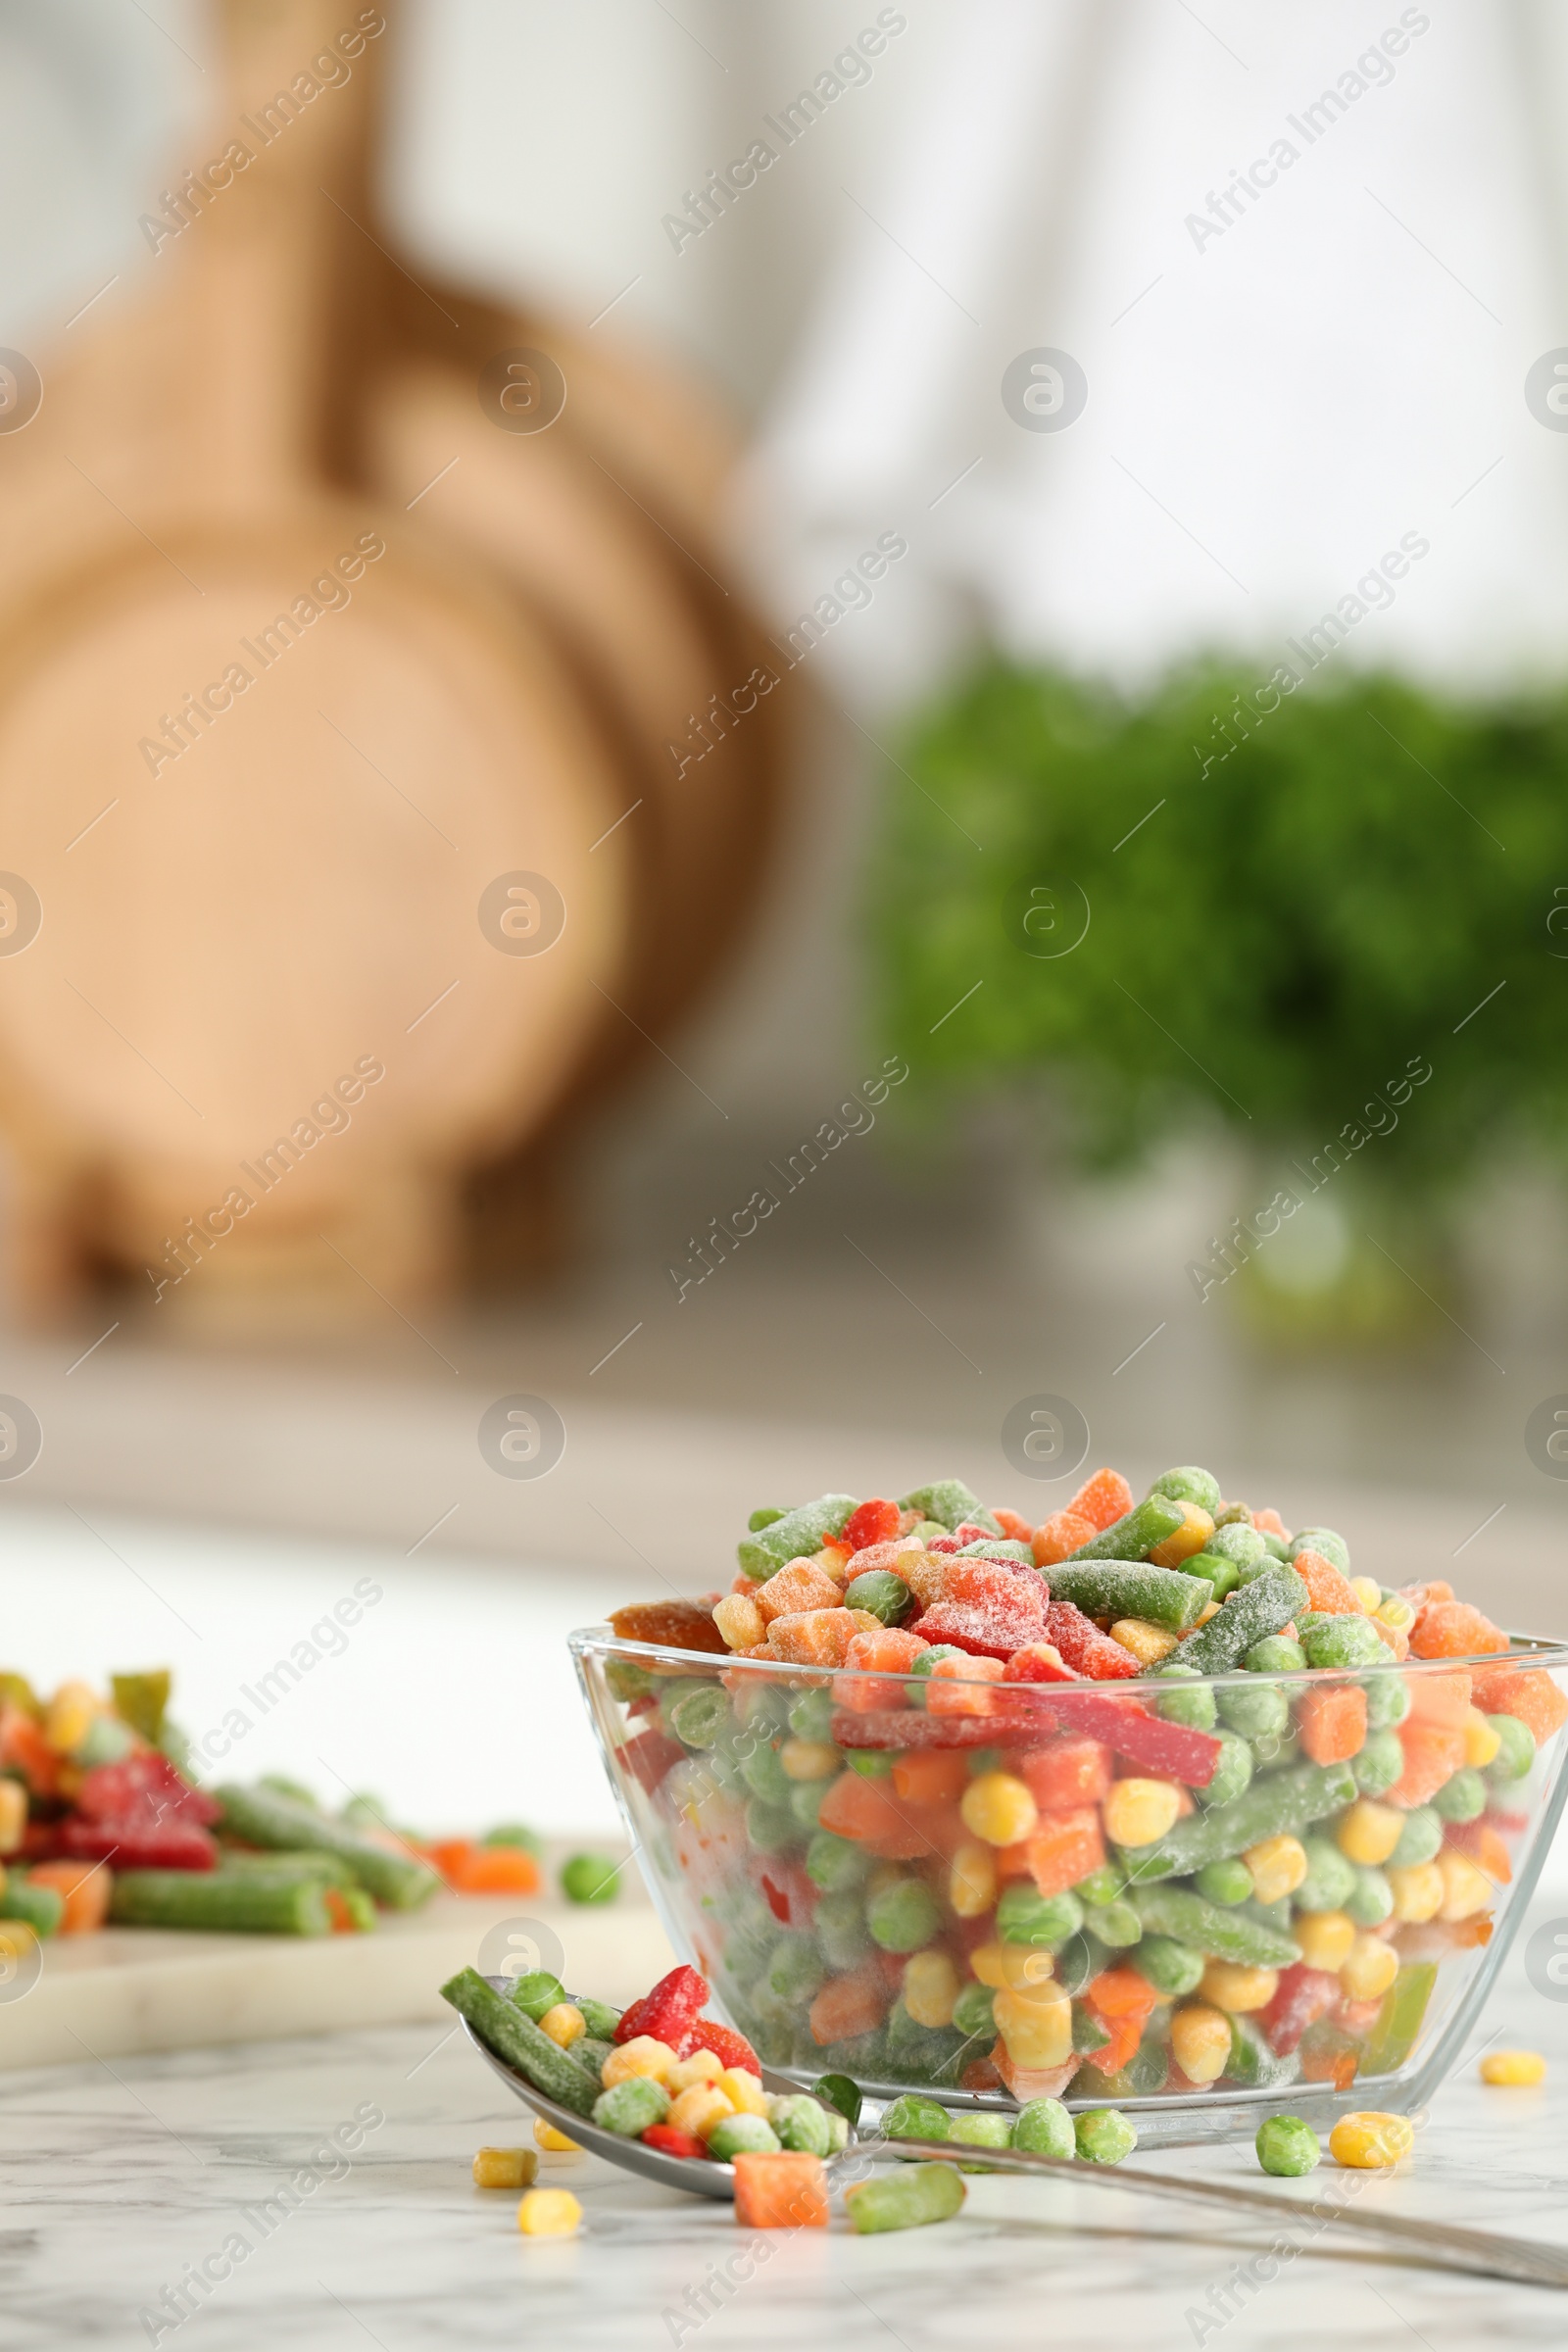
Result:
[[1516, 2068]]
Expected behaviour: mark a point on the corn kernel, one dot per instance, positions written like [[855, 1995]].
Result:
[[1369, 1833], [565, 2024], [809, 1760], [69, 1716], [1369, 2141], [1148, 1643], [1417, 1892], [1189, 1538], [1466, 1889], [1513, 2067], [1211, 1608], [554, 2142], [1012, 1967], [1368, 1591], [549, 2213], [703, 2066], [1278, 1866], [1136, 1812], [13, 1815], [1325, 1938], [971, 1880], [1237, 1989], [998, 1808], [17, 1939], [1036, 2025], [642, 2055], [1481, 1741], [930, 1988], [1369, 1968], [1396, 1613], [743, 2089], [1200, 2040], [505, 2168], [699, 2110], [740, 1621]]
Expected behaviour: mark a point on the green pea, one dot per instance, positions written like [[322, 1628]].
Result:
[[1172, 1968], [1387, 1699], [1276, 1547], [871, 1763], [1044, 2127], [982, 2128], [806, 1800], [1222, 1575], [1102, 1885], [1242, 1545], [536, 1993], [1024, 1916], [629, 2106], [1119, 1924], [833, 1863], [1462, 1796], [1419, 1839], [980, 1760], [1104, 2136], [885, 1594], [1190, 1702], [926, 1663], [839, 1925], [801, 2122], [741, 2136], [1329, 1879], [1379, 1764], [1371, 1900], [1517, 1753], [1344, 1640], [590, 1878], [770, 1828], [1232, 1514], [1233, 1770], [1189, 1485], [765, 1775], [1256, 1713], [1326, 1543], [905, 1916], [1276, 1653], [972, 2011], [795, 1970], [1225, 1883], [811, 1715], [913, 2118], [1287, 2147]]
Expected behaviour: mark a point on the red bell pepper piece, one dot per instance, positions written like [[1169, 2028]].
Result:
[[1084, 1646], [650, 1757], [669, 2011], [875, 1522], [1302, 1995], [141, 1814], [730, 2047], [673, 2142]]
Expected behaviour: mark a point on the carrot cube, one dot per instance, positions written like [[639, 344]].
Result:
[[799, 1585], [1443, 1699], [932, 1775], [1269, 1522], [784, 2190], [1486, 1849], [1431, 1755], [494, 1869], [959, 1686], [1332, 1723], [847, 2007], [814, 1636], [1102, 1499], [1015, 1527], [1530, 1695], [1057, 1537], [1065, 1848], [888, 1651], [1453, 1629], [859, 1809], [83, 1887], [1326, 1588], [1067, 1772]]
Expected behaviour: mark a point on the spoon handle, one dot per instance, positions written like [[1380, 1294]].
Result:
[[1477, 2252]]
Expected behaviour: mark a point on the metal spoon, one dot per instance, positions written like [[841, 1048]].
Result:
[[1478, 2252]]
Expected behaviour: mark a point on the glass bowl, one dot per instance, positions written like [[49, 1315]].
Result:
[[1039, 1891]]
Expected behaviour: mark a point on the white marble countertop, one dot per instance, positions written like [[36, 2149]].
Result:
[[120, 2178]]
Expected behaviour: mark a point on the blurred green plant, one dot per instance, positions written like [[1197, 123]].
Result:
[[1283, 904]]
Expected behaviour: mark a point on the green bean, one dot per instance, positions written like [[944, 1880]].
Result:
[[1134, 1537], [1280, 1803], [1181, 1913], [1172, 1968], [260, 1817], [796, 1535], [907, 2200], [1122, 1588], [515, 2038], [1262, 1607]]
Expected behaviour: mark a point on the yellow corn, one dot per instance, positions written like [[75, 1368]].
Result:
[[1188, 1539], [1417, 1892], [930, 1988], [1036, 2025], [998, 1808], [505, 2168], [1211, 1608], [740, 1621], [1237, 1989], [1481, 1741], [1278, 1866], [69, 1716], [1396, 1613], [1368, 1591], [17, 1939], [565, 2024], [1368, 2140], [1369, 1833], [642, 2055], [1513, 2067], [1369, 1968], [743, 2090], [1148, 1643], [971, 1880], [1012, 1967], [833, 1563], [1466, 1889], [1200, 2040], [556, 2142], [1325, 1938], [703, 2066], [699, 2110], [549, 2213], [1136, 1812], [809, 1760], [13, 1815]]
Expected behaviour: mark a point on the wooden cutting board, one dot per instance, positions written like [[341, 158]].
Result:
[[129, 1991], [311, 671]]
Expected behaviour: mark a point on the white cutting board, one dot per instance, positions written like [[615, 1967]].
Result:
[[126, 1991]]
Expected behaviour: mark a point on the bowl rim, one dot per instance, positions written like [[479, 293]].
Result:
[[1524, 1649]]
